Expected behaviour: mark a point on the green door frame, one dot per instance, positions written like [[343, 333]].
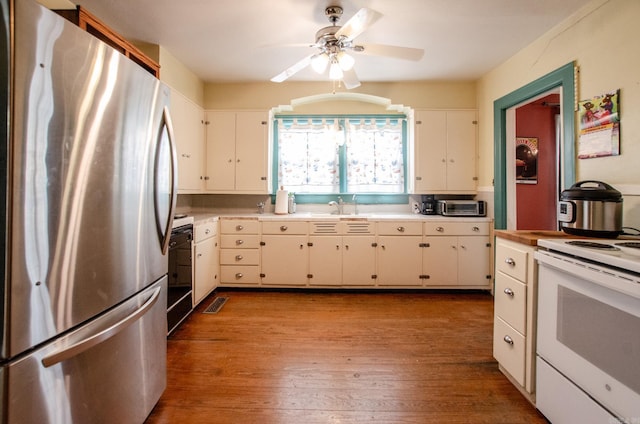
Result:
[[562, 77]]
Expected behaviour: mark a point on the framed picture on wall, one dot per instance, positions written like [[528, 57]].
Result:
[[526, 160], [599, 126]]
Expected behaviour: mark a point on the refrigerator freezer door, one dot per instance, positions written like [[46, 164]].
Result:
[[116, 380], [91, 178]]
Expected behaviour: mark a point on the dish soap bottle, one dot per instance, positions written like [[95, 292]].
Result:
[[292, 203]]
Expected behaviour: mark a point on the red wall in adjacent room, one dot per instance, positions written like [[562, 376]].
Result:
[[536, 203]]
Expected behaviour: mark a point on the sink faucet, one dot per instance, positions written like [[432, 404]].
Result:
[[354, 199], [339, 205]]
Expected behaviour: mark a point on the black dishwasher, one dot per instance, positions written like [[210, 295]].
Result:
[[179, 303]]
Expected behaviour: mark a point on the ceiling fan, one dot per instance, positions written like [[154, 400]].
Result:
[[334, 42]]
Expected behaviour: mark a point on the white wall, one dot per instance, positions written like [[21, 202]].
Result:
[[179, 77], [602, 40]]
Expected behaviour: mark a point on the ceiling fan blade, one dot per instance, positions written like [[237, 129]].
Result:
[[407, 53], [350, 79], [358, 23], [293, 69]]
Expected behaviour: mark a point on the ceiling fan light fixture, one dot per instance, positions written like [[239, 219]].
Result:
[[319, 62], [346, 61], [335, 72]]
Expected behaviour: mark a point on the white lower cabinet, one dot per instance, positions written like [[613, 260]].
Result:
[[355, 253], [358, 261], [457, 254], [514, 313], [205, 260], [343, 261], [284, 253], [325, 260], [400, 254]]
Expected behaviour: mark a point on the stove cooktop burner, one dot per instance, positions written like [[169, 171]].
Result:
[[593, 245]]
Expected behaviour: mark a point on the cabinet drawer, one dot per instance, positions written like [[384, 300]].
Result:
[[512, 261], [511, 302], [231, 274], [205, 230], [509, 349], [456, 228], [239, 256], [284, 227], [400, 228], [245, 226], [239, 241]]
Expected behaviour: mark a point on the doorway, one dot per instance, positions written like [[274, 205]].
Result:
[[561, 81], [535, 155]]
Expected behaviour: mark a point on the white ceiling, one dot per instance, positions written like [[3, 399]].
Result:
[[246, 40]]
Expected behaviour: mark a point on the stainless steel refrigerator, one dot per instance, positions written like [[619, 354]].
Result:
[[87, 192]]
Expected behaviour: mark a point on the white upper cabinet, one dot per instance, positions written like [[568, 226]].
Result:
[[445, 151], [188, 126], [237, 148]]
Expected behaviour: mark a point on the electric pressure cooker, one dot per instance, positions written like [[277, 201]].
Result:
[[592, 209]]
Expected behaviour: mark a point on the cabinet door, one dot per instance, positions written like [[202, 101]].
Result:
[[206, 268], [474, 259], [440, 261], [399, 261], [325, 260], [221, 151], [358, 261], [461, 150], [251, 152], [431, 151], [285, 260], [188, 125]]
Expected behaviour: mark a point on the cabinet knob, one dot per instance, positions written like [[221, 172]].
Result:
[[239, 257], [440, 229], [283, 228], [239, 228], [238, 160], [508, 340], [510, 262], [230, 160], [239, 242], [199, 255], [508, 292], [476, 229], [207, 231], [238, 275], [401, 229], [338, 247]]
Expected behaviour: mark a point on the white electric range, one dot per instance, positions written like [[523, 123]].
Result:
[[588, 340]]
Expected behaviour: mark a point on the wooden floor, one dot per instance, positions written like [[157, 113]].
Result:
[[339, 357]]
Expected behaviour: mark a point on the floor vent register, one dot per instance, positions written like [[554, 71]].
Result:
[[216, 305]]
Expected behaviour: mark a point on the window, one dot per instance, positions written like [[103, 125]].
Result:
[[331, 155]]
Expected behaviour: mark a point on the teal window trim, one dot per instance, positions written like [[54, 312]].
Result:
[[363, 198], [562, 77]]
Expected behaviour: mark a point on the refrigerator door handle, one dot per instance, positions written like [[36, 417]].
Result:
[[166, 235], [89, 342]]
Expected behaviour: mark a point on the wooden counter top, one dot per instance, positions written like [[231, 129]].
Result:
[[530, 237]]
